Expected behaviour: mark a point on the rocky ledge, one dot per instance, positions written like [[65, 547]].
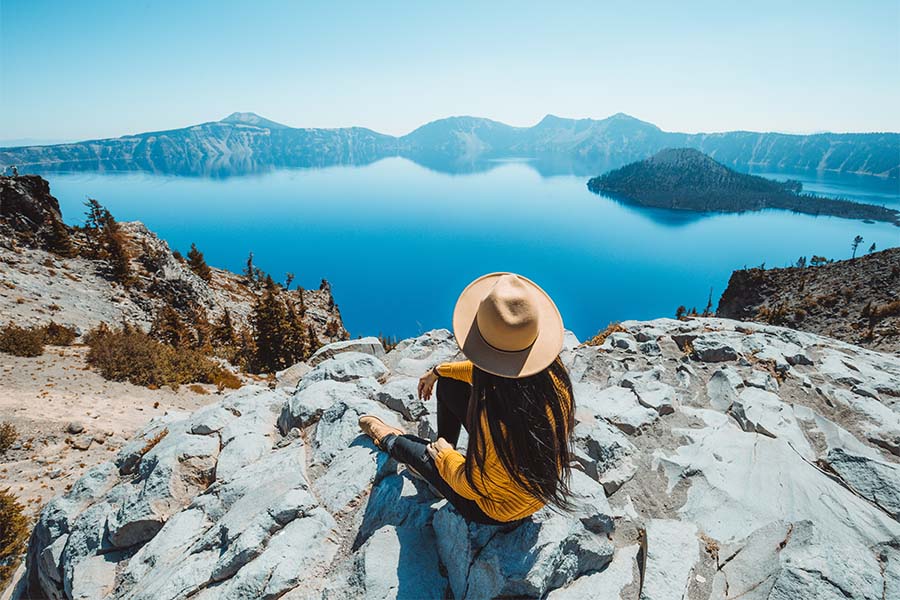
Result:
[[718, 459]]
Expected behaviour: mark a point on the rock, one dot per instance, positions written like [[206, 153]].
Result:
[[339, 427], [401, 395], [218, 504], [659, 396], [350, 474], [607, 584], [82, 442], [290, 377], [545, 552], [604, 453], [210, 419], [728, 467], [99, 438], [869, 476], [95, 576], [74, 427], [400, 562], [306, 406], [620, 341], [590, 504], [723, 388], [763, 412], [672, 551], [799, 560], [618, 405], [415, 356], [347, 366], [711, 347], [367, 345], [240, 452]]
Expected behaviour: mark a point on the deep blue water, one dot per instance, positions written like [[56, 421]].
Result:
[[398, 241]]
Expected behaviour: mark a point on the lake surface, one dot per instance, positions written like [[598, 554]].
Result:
[[399, 241]]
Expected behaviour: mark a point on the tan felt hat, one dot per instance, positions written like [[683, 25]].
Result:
[[507, 325]]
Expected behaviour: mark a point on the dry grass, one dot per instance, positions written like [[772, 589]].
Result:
[[22, 341], [152, 442], [129, 354], [8, 435], [13, 535], [601, 336], [198, 389]]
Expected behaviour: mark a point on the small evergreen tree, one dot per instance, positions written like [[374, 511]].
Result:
[[169, 328], [288, 280], [271, 325], [680, 312], [855, 244], [249, 269], [58, 240], [224, 332], [198, 264], [872, 248]]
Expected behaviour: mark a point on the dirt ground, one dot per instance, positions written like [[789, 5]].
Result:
[[41, 396]]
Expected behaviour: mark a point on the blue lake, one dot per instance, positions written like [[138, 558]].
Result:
[[398, 241]]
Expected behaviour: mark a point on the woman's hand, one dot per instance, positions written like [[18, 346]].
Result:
[[426, 384], [435, 447]]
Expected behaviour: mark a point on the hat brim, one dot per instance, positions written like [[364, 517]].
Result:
[[521, 363]]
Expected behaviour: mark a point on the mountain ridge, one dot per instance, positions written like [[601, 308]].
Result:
[[612, 141]]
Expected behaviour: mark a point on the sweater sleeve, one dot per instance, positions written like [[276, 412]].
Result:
[[461, 370], [452, 467]]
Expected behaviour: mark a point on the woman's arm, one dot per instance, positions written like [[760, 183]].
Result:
[[461, 370]]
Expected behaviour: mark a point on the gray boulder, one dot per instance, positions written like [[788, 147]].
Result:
[[545, 552], [367, 345], [401, 395], [347, 366]]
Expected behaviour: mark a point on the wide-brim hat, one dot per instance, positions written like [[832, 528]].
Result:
[[507, 325]]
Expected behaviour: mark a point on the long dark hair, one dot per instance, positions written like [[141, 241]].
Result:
[[529, 420]]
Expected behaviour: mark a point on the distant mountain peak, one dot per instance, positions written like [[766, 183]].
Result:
[[251, 118]]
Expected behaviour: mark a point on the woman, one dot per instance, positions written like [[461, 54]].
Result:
[[514, 398]]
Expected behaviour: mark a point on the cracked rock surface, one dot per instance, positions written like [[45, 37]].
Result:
[[716, 459]]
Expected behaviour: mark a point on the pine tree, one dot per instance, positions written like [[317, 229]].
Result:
[[169, 328], [855, 244], [224, 332], [204, 330], [312, 341], [58, 240], [198, 264], [249, 271], [270, 325], [296, 342]]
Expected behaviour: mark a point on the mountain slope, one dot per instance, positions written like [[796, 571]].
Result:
[[855, 300], [247, 142], [687, 179]]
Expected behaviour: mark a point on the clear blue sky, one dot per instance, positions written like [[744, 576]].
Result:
[[98, 68]]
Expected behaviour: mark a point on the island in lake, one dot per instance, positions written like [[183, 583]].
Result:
[[687, 179]]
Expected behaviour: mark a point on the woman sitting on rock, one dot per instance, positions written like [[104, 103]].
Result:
[[514, 398]]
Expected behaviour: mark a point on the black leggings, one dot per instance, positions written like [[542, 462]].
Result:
[[453, 404]]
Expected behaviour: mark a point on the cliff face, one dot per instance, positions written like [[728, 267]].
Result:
[[38, 285], [855, 300], [717, 459]]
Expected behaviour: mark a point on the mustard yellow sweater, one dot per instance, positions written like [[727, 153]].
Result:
[[501, 499]]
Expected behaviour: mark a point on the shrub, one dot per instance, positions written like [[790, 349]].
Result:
[[59, 335], [388, 341], [13, 535], [22, 341], [601, 336], [129, 354], [8, 435]]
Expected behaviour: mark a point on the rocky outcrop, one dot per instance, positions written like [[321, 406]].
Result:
[[856, 300], [38, 285], [27, 211], [767, 468]]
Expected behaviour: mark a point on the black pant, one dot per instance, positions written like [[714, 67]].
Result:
[[452, 403]]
